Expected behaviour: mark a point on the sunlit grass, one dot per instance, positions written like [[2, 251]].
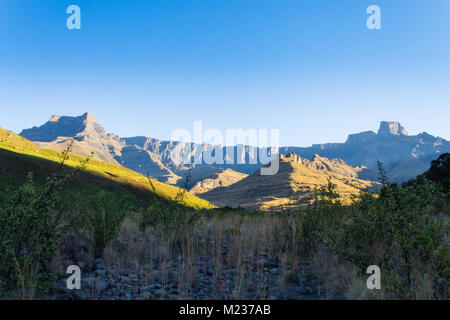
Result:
[[14, 143]]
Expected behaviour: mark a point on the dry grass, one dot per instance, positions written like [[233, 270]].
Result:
[[234, 256], [293, 185]]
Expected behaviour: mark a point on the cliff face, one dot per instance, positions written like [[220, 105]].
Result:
[[391, 128]]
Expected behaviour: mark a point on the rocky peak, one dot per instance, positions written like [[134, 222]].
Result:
[[318, 158], [292, 157], [54, 118], [89, 117], [65, 126], [391, 128]]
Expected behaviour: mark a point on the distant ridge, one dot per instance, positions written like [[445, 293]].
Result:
[[403, 156]]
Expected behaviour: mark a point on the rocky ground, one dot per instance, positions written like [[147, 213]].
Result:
[[230, 256], [252, 277], [128, 284]]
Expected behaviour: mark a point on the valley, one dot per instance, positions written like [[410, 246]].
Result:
[[140, 227]]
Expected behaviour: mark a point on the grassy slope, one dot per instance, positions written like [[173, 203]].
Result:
[[221, 178], [294, 185], [19, 156]]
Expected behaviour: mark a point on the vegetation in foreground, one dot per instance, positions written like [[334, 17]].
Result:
[[169, 252]]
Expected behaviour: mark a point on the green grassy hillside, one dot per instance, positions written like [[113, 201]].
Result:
[[19, 156]]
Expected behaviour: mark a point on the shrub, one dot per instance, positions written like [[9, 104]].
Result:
[[173, 221], [103, 216], [29, 230], [181, 195], [440, 171], [322, 220], [27, 237], [170, 221], [403, 231]]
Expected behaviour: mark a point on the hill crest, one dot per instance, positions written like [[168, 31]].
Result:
[[293, 185]]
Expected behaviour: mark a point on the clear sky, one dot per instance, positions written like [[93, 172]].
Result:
[[310, 68]]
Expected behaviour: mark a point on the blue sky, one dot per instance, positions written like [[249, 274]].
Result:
[[309, 68]]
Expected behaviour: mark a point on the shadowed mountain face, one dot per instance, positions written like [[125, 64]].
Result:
[[293, 185], [403, 156]]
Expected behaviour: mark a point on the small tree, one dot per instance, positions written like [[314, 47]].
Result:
[[184, 189]]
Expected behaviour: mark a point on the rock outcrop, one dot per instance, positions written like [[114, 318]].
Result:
[[391, 127]]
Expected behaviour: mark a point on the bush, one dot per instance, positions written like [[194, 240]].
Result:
[[403, 231], [29, 231], [440, 171], [103, 216], [170, 221], [27, 237], [322, 220]]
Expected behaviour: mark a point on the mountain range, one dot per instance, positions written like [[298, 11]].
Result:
[[403, 156]]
